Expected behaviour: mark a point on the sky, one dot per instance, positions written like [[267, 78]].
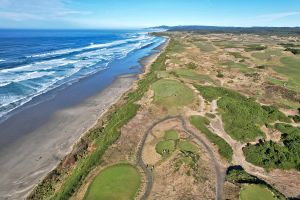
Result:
[[94, 14]]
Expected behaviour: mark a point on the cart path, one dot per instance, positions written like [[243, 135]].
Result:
[[220, 173]]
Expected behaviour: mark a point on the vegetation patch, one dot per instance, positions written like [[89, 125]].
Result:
[[293, 50], [242, 116], [255, 192], [225, 44], [118, 182], [296, 118], [255, 47], [224, 148], [238, 176], [171, 135], [172, 93], [237, 55], [210, 115], [284, 154], [191, 65], [190, 160], [186, 146]]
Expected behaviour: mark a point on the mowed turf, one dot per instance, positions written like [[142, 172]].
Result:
[[191, 74], [205, 46], [256, 192], [165, 147], [240, 66], [118, 182], [172, 93], [291, 69], [187, 146], [171, 135], [267, 54]]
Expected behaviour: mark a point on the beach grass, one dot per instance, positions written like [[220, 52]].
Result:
[[233, 105]]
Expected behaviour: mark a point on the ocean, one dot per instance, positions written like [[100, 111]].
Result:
[[35, 62]]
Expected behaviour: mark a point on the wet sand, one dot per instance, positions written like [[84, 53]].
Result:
[[27, 161], [47, 138]]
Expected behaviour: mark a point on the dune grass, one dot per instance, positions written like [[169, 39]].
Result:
[[224, 148], [118, 182], [255, 192], [172, 93], [242, 116]]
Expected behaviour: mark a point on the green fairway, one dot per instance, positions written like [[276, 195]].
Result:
[[256, 192], [172, 93], [205, 46], [242, 67], [291, 69], [191, 74], [165, 147], [118, 182], [187, 147], [171, 135], [267, 54], [237, 55]]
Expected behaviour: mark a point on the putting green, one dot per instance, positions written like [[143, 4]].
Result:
[[172, 93], [162, 146], [171, 135], [118, 182], [255, 192]]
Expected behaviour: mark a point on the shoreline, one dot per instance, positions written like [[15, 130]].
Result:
[[94, 109]]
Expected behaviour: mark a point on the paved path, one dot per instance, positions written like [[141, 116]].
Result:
[[220, 174]]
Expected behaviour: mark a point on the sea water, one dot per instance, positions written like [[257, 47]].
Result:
[[34, 62]]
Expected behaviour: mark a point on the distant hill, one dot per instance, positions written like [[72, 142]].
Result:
[[227, 29]]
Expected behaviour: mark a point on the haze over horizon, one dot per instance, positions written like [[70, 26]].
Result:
[[75, 14]]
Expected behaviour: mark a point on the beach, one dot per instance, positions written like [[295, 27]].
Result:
[[50, 137]]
